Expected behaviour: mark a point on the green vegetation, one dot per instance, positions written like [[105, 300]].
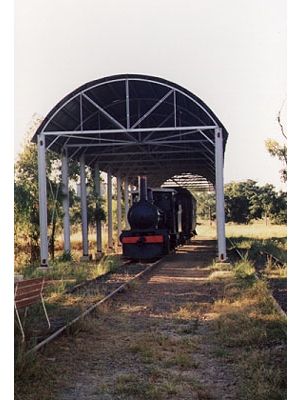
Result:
[[60, 305], [246, 202], [26, 206], [252, 335], [241, 330], [279, 151], [245, 331]]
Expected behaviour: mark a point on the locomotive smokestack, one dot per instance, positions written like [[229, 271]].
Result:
[[143, 187]]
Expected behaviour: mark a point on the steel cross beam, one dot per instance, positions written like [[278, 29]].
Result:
[[131, 130], [161, 144]]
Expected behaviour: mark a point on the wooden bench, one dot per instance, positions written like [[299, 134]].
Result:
[[29, 292]]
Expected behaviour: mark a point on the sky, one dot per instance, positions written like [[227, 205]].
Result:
[[231, 54]]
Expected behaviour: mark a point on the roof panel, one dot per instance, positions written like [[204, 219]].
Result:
[[129, 123]]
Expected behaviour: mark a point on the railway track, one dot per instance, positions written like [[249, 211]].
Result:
[[153, 341], [278, 287], [96, 292]]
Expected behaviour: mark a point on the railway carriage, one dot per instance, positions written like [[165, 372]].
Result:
[[160, 220]]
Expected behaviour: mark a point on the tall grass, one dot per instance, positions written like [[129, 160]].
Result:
[[167, 357], [252, 335], [64, 275], [257, 229], [22, 257]]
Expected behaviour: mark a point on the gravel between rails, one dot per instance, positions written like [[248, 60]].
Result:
[[143, 345], [105, 286], [86, 295]]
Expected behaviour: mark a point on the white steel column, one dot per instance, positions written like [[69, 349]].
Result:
[[126, 200], [65, 201], [98, 223], [119, 207], [84, 223], [109, 211], [220, 194], [42, 200]]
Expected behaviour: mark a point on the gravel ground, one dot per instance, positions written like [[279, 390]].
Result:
[[151, 342]]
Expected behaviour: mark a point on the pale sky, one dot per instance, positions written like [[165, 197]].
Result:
[[231, 54]]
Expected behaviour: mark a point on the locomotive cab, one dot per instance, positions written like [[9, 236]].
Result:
[[145, 239], [160, 220]]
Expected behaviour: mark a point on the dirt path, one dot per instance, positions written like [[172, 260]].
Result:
[[151, 342]]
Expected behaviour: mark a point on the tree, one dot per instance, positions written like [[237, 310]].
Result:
[[279, 211], [206, 205], [246, 201], [26, 195], [277, 150], [266, 199], [241, 201], [26, 215]]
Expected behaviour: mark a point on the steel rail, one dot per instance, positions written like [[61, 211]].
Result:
[[91, 281], [273, 258], [91, 308]]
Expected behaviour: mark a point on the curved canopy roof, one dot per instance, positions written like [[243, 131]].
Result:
[[132, 124]]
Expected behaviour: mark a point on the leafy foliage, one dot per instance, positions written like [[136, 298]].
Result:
[[246, 201], [206, 205], [26, 198], [276, 150]]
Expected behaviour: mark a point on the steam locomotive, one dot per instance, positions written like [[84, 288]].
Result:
[[160, 220]]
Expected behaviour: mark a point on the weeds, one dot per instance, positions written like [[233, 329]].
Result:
[[168, 359], [244, 270], [61, 306], [251, 333], [132, 385]]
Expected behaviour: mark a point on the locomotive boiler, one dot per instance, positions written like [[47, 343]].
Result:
[[160, 220]]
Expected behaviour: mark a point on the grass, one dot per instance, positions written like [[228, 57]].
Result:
[[67, 273], [251, 334], [257, 229], [60, 305], [166, 358], [246, 334], [21, 262], [255, 241]]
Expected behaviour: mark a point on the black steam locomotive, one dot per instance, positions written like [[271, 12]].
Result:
[[160, 220]]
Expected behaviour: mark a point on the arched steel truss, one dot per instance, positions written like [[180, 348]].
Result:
[[128, 124]]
